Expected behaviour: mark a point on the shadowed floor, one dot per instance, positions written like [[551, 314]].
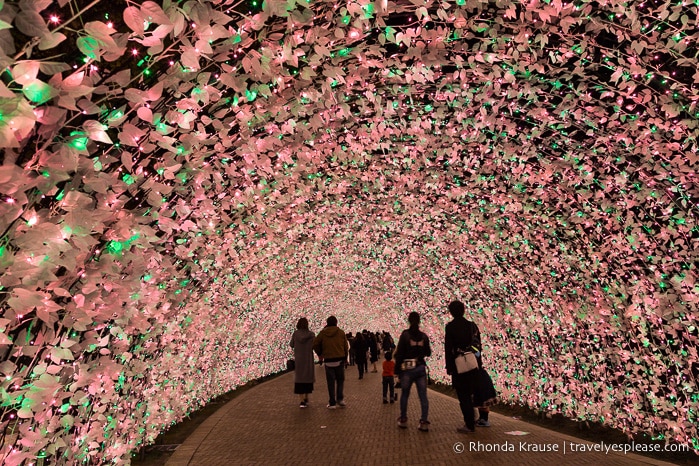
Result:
[[265, 426]]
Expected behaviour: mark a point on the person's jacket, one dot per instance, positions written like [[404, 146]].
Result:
[[331, 344], [412, 347], [460, 335]]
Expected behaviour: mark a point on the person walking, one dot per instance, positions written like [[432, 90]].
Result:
[[413, 348], [304, 372], [387, 343], [373, 351], [360, 348], [350, 340], [332, 348], [461, 335]]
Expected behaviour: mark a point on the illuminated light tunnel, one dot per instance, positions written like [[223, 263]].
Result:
[[181, 181]]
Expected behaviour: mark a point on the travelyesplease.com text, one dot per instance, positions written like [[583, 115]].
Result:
[[574, 447]]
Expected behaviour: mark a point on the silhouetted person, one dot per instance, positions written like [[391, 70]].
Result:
[[373, 351], [387, 343], [304, 372], [360, 349], [413, 348], [350, 340], [462, 335]]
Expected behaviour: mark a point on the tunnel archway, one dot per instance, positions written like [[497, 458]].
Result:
[[190, 178]]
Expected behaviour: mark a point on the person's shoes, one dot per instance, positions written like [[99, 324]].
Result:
[[464, 430], [392, 400], [342, 403], [403, 422], [374, 370], [332, 406], [482, 423], [424, 426], [303, 404], [385, 401]]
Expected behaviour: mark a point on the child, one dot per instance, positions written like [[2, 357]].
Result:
[[387, 377]]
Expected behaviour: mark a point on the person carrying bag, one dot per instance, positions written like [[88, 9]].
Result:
[[413, 348], [461, 337]]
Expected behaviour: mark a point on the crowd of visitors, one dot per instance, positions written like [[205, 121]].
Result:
[[404, 364]]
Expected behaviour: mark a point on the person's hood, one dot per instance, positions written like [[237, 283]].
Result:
[[304, 335], [331, 331]]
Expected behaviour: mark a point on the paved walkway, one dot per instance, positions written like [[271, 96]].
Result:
[[265, 426]]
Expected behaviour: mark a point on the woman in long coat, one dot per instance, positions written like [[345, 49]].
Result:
[[360, 348], [304, 372]]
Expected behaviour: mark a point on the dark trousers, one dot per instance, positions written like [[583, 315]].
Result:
[[361, 367], [388, 384], [465, 385], [335, 376]]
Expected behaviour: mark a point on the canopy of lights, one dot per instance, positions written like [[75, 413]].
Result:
[[182, 180]]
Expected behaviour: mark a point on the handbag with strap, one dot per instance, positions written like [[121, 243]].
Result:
[[466, 362]]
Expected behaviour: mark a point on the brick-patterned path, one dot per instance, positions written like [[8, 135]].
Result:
[[265, 426]]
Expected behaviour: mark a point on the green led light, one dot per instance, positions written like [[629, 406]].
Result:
[[115, 247], [115, 115], [37, 92], [79, 140]]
